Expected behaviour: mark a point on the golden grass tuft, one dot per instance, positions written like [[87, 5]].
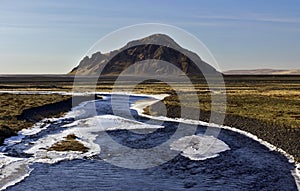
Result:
[[69, 144]]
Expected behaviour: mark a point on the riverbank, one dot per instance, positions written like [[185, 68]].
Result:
[[286, 138], [22, 111]]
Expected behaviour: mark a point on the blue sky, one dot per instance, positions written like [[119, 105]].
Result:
[[52, 36]]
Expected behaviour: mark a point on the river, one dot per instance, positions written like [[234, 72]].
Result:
[[232, 161]]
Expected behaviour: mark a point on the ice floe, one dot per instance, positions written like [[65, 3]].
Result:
[[199, 147]]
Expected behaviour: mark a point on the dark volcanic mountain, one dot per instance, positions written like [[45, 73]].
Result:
[[145, 56]]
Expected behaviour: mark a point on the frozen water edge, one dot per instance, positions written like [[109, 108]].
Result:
[[13, 170], [83, 129]]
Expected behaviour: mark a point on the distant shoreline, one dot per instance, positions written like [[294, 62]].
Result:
[[262, 72]]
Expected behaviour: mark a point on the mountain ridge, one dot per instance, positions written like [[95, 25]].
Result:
[[153, 51]]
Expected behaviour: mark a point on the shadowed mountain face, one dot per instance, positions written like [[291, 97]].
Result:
[[154, 55]]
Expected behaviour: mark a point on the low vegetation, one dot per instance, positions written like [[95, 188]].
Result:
[[13, 105], [69, 144]]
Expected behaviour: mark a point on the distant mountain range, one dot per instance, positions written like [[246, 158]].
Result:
[[262, 72], [151, 52]]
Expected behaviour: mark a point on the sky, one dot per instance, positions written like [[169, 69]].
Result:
[[51, 37]]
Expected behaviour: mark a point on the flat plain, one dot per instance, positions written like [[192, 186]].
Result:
[[267, 106]]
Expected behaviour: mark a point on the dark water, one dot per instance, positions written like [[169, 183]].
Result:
[[247, 166]]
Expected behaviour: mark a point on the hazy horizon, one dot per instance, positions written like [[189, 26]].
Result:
[[51, 37]]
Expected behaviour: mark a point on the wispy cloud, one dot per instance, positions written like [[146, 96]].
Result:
[[251, 18]]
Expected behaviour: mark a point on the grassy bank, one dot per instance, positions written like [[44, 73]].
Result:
[[15, 111]]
